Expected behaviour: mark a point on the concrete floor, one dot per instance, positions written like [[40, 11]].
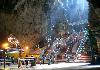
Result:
[[60, 66]]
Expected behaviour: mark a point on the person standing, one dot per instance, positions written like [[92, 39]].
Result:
[[33, 61], [43, 58], [26, 61], [12, 58], [19, 62]]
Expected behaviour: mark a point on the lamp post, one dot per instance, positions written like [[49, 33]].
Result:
[[19, 49], [5, 47]]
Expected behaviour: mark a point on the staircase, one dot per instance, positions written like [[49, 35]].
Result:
[[83, 58]]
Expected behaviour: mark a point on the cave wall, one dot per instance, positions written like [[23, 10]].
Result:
[[26, 20]]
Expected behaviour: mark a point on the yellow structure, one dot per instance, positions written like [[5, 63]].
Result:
[[5, 46]]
